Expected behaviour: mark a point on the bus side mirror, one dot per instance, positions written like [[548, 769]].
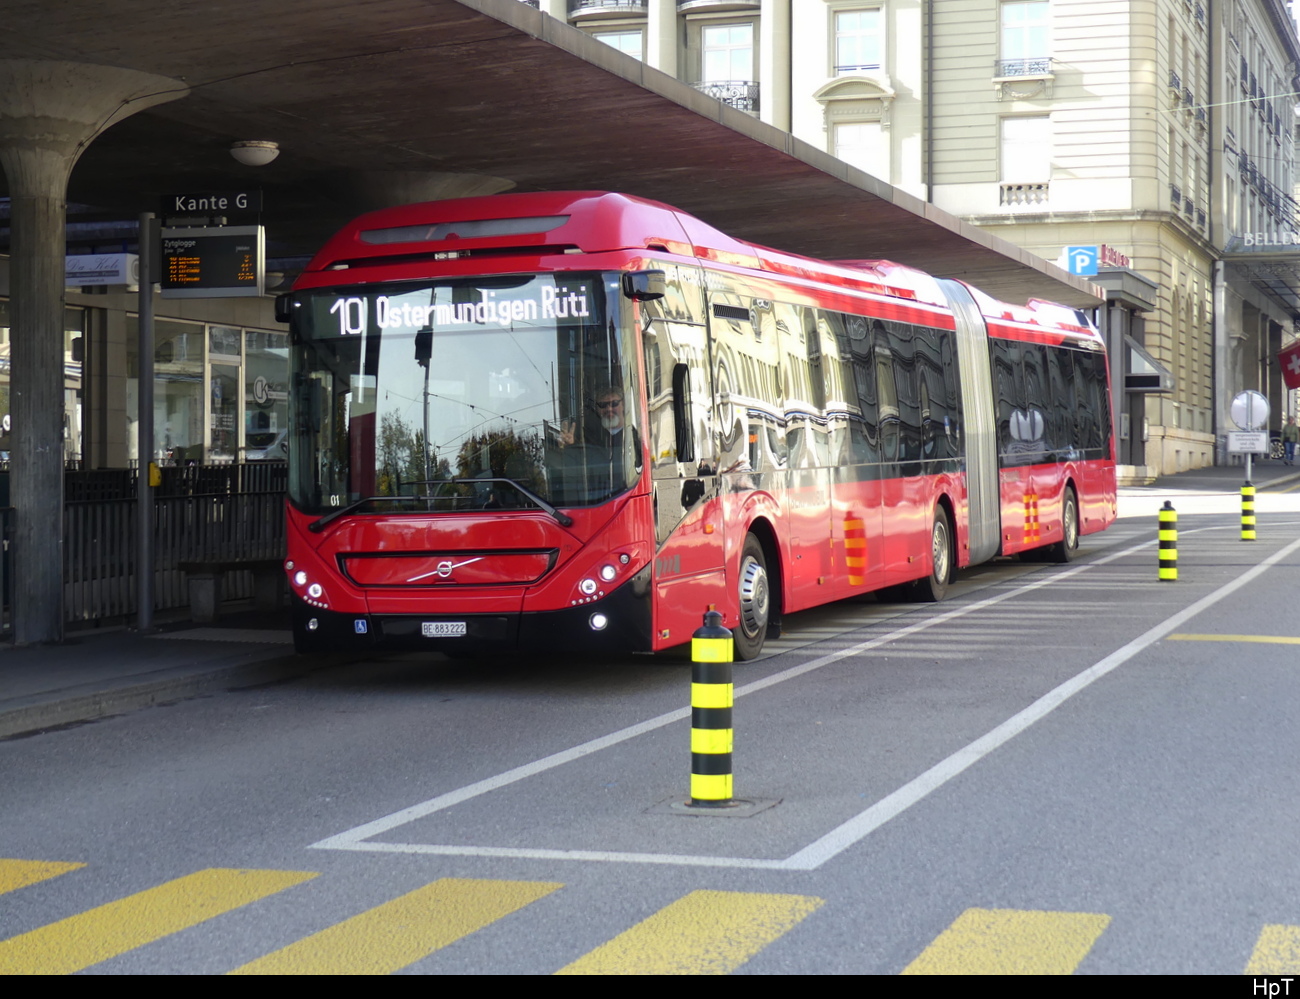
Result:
[[644, 286], [284, 306]]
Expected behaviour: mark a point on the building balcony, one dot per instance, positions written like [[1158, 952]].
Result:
[[718, 5], [1175, 85], [1024, 67], [739, 94], [535, 4], [1023, 195], [582, 10], [1023, 79]]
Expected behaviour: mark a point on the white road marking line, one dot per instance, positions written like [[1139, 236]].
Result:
[[847, 833], [840, 839]]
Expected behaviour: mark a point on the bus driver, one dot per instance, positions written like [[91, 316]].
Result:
[[603, 432]]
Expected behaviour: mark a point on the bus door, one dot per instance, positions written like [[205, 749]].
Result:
[[688, 567], [853, 420], [898, 505], [807, 501]]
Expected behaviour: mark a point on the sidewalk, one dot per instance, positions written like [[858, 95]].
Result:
[[1268, 473], [97, 673]]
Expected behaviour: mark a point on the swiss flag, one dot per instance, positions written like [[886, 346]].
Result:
[[1289, 361]]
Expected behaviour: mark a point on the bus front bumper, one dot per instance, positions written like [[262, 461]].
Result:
[[619, 622]]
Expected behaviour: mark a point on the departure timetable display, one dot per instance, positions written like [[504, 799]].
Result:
[[213, 262]]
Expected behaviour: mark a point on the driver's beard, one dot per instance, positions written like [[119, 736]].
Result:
[[611, 422]]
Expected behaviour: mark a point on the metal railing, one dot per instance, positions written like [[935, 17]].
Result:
[[1024, 67], [588, 6], [99, 548], [739, 94], [201, 512]]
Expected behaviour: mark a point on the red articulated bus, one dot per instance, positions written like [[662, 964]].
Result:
[[578, 420]]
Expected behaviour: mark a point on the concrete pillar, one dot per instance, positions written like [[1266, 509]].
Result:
[[661, 36], [774, 69], [49, 112], [558, 9]]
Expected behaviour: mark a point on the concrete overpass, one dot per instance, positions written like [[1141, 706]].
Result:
[[133, 99]]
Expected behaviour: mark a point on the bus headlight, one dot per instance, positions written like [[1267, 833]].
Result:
[[599, 622], [607, 573], [309, 590], [587, 586]]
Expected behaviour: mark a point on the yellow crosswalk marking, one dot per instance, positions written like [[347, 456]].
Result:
[[117, 927], [704, 933], [1011, 942], [1277, 952], [15, 874], [391, 936]]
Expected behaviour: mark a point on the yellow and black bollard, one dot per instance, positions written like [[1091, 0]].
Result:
[[1248, 511], [1168, 543], [711, 698]]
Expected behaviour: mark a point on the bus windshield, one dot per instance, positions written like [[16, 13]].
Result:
[[486, 393]]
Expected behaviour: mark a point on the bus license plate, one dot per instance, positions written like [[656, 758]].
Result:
[[442, 629]]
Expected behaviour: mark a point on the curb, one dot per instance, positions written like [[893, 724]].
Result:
[[37, 713]]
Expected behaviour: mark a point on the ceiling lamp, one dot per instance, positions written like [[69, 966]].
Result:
[[254, 152]]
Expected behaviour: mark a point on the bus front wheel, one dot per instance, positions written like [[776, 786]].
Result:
[[755, 600]]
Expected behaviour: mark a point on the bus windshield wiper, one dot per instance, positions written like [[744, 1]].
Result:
[[316, 526], [563, 518]]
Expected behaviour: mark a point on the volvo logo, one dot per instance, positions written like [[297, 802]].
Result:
[[444, 569]]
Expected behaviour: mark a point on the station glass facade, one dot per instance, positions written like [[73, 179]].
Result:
[[74, 328], [220, 392]]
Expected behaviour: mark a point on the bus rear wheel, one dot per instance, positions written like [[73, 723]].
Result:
[[1067, 549], [755, 601]]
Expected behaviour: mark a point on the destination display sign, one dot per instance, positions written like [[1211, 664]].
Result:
[[536, 302], [214, 262]]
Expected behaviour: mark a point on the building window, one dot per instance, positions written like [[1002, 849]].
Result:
[[865, 145], [1026, 47], [625, 41], [728, 53], [1026, 160], [1027, 149], [859, 41]]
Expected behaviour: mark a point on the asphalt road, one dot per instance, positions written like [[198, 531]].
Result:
[[1059, 769]]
